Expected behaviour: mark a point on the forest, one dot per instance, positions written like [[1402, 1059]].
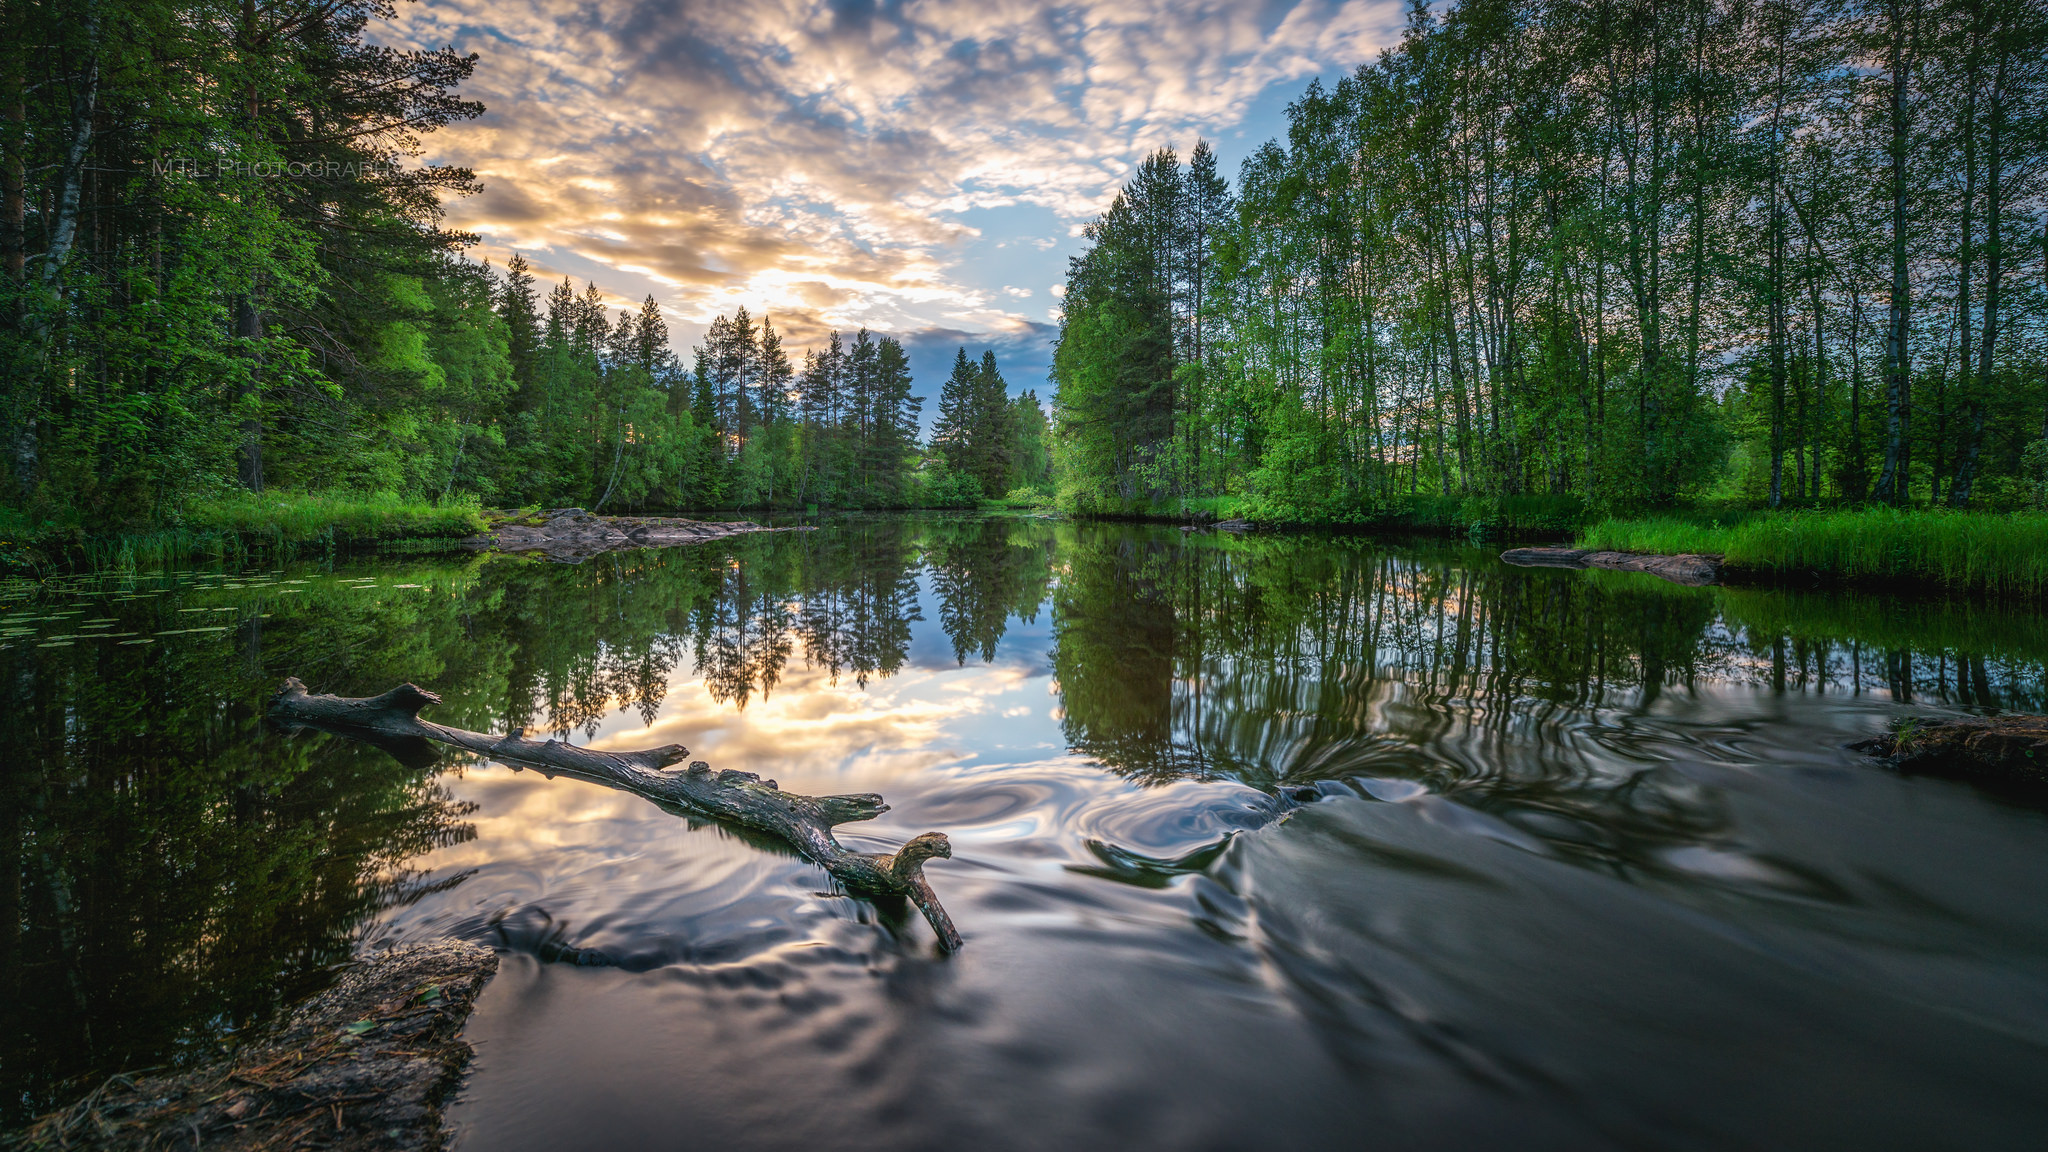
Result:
[[1587, 255], [225, 271], [1613, 255]]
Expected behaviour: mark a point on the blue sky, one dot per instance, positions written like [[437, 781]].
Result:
[[921, 168]]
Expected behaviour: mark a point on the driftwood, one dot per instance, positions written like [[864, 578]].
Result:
[[392, 720], [1690, 568]]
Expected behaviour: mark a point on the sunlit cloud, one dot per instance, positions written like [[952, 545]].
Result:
[[836, 164]]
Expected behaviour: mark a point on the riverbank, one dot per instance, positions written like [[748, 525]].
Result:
[[1999, 556], [366, 1064], [1469, 517], [236, 527]]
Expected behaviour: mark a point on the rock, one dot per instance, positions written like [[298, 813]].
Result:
[[1234, 525], [1546, 557], [573, 535], [1689, 568], [365, 1065], [2011, 748]]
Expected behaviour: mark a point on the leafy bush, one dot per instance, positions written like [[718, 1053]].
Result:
[[1025, 496], [946, 488]]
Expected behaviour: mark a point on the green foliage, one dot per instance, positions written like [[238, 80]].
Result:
[[1026, 497], [1997, 555], [1644, 265], [219, 293], [946, 487], [2034, 473], [301, 517]]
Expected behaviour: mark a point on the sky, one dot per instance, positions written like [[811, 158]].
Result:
[[922, 169]]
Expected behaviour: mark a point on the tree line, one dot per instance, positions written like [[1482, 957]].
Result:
[[223, 268], [1787, 251]]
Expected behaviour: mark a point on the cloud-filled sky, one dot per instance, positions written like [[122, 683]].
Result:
[[921, 169]]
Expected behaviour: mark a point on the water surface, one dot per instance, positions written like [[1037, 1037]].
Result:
[[1261, 842]]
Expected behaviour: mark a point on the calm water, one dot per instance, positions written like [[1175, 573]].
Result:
[[1258, 843]]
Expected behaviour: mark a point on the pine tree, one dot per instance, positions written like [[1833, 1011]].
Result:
[[650, 338], [517, 304], [993, 428], [773, 381], [954, 434]]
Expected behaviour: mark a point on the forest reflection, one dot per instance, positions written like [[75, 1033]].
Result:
[[1247, 659], [174, 867]]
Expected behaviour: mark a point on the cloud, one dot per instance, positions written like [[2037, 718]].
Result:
[[815, 160]]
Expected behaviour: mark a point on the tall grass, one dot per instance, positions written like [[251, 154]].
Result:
[[234, 528], [1986, 553], [346, 518]]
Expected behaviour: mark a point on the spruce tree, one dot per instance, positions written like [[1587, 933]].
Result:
[[954, 434]]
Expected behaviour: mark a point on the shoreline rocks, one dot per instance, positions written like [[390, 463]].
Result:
[[572, 535], [2012, 748], [366, 1065], [1693, 569]]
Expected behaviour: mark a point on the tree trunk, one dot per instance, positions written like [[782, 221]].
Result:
[[1994, 269], [392, 721], [71, 185], [249, 326], [1897, 474]]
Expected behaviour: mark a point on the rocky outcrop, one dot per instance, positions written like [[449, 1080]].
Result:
[[1690, 568], [573, 535], [2013, 748], [365, 1065]]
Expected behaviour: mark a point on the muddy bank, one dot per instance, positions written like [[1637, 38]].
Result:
[[1693, 568], [2004, 748], [573, 535], [365, 1065]]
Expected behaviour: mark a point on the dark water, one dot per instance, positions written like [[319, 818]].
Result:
[[1259, 843]]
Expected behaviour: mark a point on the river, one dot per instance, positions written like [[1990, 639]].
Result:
[[1259, 842]]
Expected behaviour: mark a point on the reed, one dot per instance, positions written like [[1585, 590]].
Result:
[[1998, 555]]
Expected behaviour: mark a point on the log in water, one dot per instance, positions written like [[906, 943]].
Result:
[[740, 797]]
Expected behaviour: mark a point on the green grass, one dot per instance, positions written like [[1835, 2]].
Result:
[[1985, 553], [307, 517], [231, 528]]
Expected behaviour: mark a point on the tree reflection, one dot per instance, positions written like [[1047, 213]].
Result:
[[172, 868], [985, 571], [1278, 661]]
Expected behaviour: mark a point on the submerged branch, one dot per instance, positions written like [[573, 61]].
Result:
[[392, 720]]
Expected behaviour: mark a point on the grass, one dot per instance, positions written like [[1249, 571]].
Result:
[[233, 528], [1999, 555], [307, 517]]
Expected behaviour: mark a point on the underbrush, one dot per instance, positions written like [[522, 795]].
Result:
[[2002, 555]]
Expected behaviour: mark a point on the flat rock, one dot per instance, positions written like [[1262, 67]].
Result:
[[365, 1065], [2001, 747], [1689, 568], [572, 535]]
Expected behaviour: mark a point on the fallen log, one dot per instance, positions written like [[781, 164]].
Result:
[[740, 797]]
